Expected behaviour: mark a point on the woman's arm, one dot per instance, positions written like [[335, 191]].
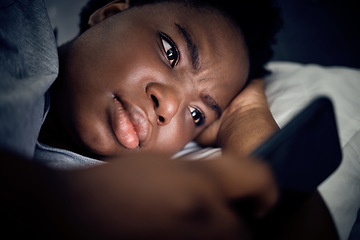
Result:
[[137, 197]]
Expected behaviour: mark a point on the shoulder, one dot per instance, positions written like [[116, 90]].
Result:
[[28, 67]]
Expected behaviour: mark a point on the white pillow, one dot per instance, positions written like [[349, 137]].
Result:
[[291, 86]]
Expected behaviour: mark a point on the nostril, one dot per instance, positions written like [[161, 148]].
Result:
[[161, 119], [156, 102]]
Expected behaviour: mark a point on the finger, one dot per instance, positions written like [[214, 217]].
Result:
[[240, 178]]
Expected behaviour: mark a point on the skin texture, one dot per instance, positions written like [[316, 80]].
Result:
[[123, 57]]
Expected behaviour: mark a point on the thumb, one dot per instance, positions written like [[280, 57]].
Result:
[[247, 179]]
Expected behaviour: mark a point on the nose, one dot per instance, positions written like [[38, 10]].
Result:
[[165, 101]]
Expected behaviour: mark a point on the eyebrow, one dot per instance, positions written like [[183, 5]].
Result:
[[210, 102], [192, 48], [194, 54]]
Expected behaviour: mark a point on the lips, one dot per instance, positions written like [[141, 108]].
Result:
[[130, 125]]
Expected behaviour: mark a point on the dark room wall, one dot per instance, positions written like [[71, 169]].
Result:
[[325, 32]]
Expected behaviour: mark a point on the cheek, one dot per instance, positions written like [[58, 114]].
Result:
[[109, 58], [173, 137]]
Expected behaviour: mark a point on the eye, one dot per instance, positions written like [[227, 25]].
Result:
[[170, 49], [197, 116]]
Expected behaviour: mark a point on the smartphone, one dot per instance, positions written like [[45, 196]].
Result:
[[302, 155], [306, 150]]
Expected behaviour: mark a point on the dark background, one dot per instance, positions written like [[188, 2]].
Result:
[[325, 32]]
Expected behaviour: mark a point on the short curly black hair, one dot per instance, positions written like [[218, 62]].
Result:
[[259, 21]]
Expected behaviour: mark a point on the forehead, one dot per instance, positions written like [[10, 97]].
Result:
[[209, 27], [222, 51]]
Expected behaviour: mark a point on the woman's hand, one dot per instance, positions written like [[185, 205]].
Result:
[[244, 124], [151, 197]]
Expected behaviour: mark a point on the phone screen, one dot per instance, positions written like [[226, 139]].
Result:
[[305, 151]]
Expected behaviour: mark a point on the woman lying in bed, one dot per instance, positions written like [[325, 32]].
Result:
[[132, 90]]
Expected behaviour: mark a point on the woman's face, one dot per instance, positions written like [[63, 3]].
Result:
[[149, 78]]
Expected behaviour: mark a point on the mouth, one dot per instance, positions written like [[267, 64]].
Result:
[[130, 124]]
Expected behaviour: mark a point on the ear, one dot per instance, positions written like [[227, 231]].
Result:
[[108, 10]]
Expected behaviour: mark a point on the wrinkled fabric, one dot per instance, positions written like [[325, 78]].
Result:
[[28, 67]]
